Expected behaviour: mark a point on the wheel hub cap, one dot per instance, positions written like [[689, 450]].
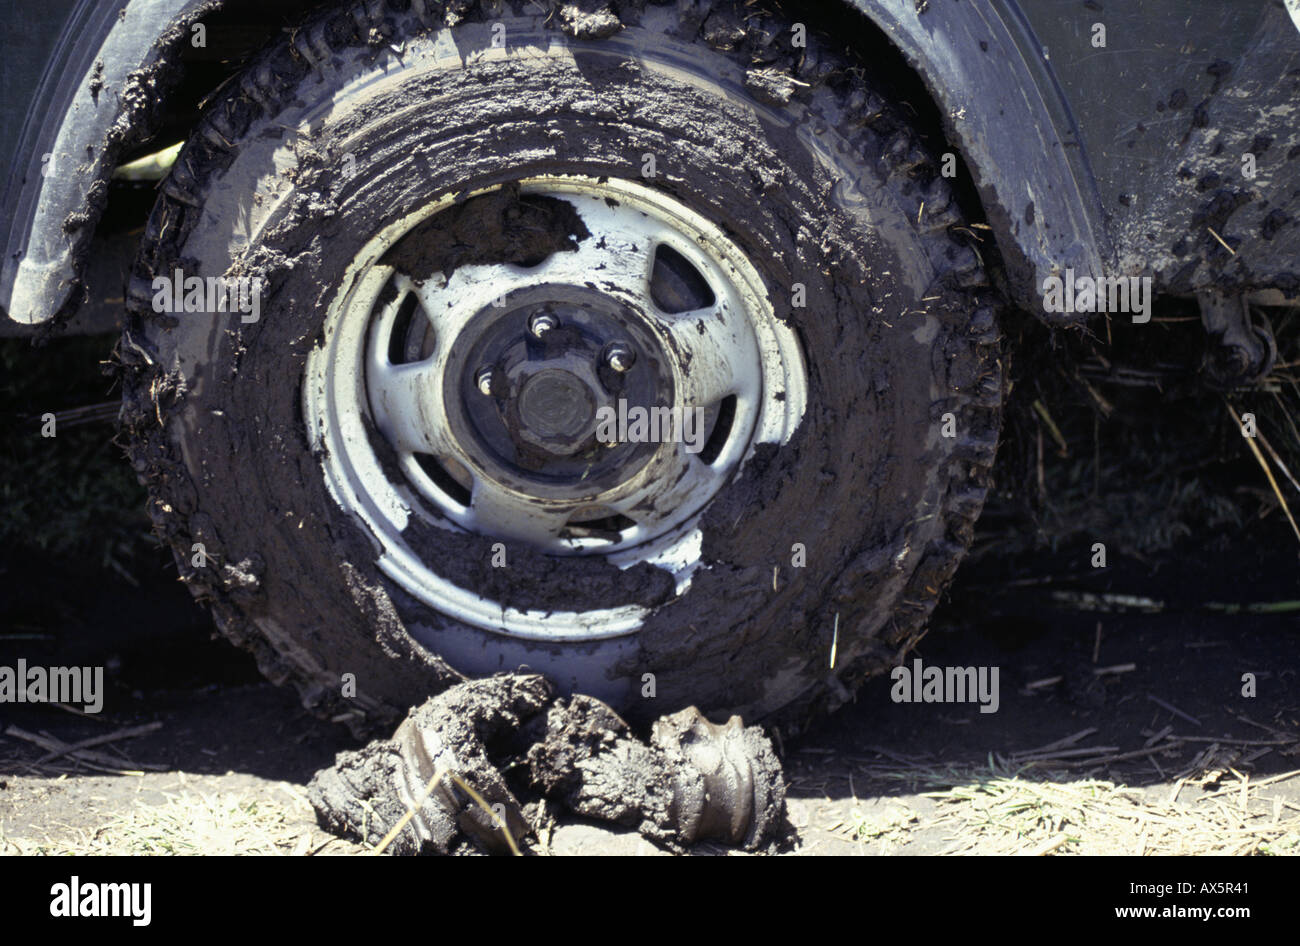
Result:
[[558, 408]]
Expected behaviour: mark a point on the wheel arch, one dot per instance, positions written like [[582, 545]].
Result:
[[101, 93], [1001, 106]]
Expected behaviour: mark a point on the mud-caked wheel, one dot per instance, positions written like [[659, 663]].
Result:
[[639, 353]]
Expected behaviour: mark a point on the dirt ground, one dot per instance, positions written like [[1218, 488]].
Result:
[[1117, 732]]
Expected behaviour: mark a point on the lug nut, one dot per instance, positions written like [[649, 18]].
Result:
[[541, 323], [620, 358], [484, 380]]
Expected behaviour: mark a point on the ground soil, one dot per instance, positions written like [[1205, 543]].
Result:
[[877, 777]]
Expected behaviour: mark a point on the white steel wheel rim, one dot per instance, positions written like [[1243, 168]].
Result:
[[737, 349]]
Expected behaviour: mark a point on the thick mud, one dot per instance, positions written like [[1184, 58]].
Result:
[[497, 227], [695, 781]]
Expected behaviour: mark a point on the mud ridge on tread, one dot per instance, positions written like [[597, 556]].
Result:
[[150, 394]]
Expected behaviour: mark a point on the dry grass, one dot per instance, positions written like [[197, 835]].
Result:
[[274, 822], [1000, 810], [1211, 806], [1121, 443], [989, 810], [890, 827]]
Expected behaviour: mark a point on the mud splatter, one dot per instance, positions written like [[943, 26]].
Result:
[[589, 20], [497, 227]]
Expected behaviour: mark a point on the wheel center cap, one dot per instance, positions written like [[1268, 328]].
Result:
[[554, 403]]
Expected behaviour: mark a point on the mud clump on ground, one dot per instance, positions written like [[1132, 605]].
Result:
[[446, 763]]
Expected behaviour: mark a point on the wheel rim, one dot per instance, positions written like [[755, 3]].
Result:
[[499, 390]]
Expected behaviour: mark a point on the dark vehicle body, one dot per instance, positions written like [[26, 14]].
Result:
[[1103, 138]]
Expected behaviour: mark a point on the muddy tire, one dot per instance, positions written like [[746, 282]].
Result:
[[815, 563]]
